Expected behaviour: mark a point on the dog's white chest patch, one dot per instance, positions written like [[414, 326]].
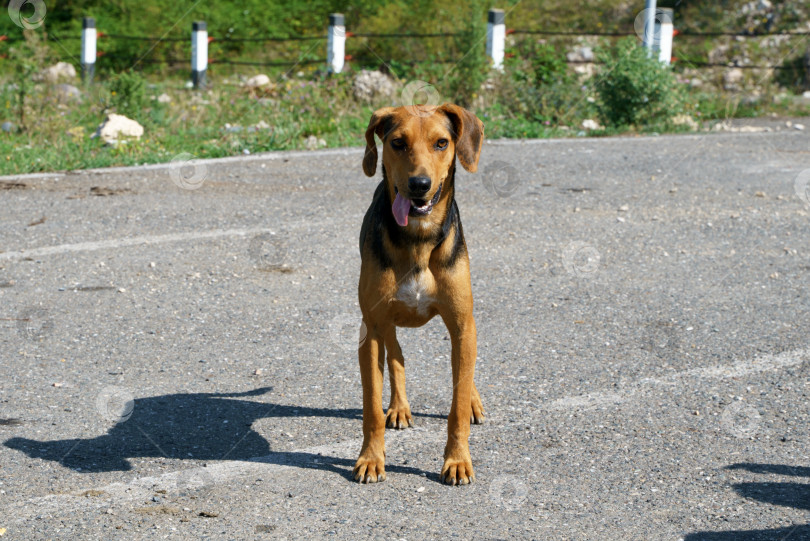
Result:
[[417, 291]]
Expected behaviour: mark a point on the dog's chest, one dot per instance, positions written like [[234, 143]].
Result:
[[418, 291]]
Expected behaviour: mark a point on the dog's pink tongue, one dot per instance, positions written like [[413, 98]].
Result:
[[401, 208]]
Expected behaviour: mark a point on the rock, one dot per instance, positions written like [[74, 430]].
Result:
[[719, 54], [261, 125], [258, 81], [799, 127], [695, 82], [66, 92], [591, 124], [580, 54], [732, 79], [369, 84], [164, 98], [117, 126], [685, 120], [58, 72], [7, 127], [313, 143]]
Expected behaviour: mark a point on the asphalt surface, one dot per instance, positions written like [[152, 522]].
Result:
[[181, 364]]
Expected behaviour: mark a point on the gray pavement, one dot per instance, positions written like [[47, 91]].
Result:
[[180, 363]]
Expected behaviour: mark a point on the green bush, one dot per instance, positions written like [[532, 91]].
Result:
[[635, 88], [538, 86], [128, 94], [547, 63], [465, 80]]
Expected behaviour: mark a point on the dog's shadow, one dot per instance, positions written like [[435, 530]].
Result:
[[198, 426], [796, 495]]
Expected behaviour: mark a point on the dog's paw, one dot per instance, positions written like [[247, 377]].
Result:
[[477, 417], [457, 472], [398, 417], [369, 469]]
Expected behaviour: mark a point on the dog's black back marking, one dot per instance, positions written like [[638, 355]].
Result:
[[373, 226]]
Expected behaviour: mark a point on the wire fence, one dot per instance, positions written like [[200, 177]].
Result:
[[154, 41]]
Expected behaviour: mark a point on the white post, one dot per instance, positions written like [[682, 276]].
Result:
[[649, 24], [89, 37], [336, 43], [199, 53], [664, 31], [496, 37]]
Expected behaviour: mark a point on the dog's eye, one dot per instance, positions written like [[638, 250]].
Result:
[[397, 144], [441, 144]]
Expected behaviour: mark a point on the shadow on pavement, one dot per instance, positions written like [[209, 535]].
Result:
[[198, 426], [795, 495]]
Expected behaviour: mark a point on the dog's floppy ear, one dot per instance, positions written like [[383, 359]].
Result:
[[469, 135], [375, 125]]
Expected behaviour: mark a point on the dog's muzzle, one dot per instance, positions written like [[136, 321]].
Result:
[[403, 207]]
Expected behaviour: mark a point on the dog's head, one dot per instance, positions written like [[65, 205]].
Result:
[[420, 145]]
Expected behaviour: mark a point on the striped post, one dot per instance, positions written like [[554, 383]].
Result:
[[89, 37], [664, 31], [199, 53], [336, 43], [496, 37], [649, 24]]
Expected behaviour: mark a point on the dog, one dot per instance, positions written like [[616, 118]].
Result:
[[414, 265]]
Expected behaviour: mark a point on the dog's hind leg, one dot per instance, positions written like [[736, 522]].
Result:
[[399, 411], [477, 408]]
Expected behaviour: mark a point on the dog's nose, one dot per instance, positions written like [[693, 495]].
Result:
[[418, 185]]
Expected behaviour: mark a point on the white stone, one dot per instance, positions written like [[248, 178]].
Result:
[[369, 84], [591, 124], [116, 126], [313, 143], [164, 98], [732, 78], [57, 72], [258, 81]]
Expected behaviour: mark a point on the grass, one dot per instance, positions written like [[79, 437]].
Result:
[[220, 122]]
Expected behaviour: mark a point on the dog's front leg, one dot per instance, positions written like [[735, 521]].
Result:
[[457, 468], [370, 467]]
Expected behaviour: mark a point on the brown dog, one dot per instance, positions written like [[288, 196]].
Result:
[[414, 266]]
